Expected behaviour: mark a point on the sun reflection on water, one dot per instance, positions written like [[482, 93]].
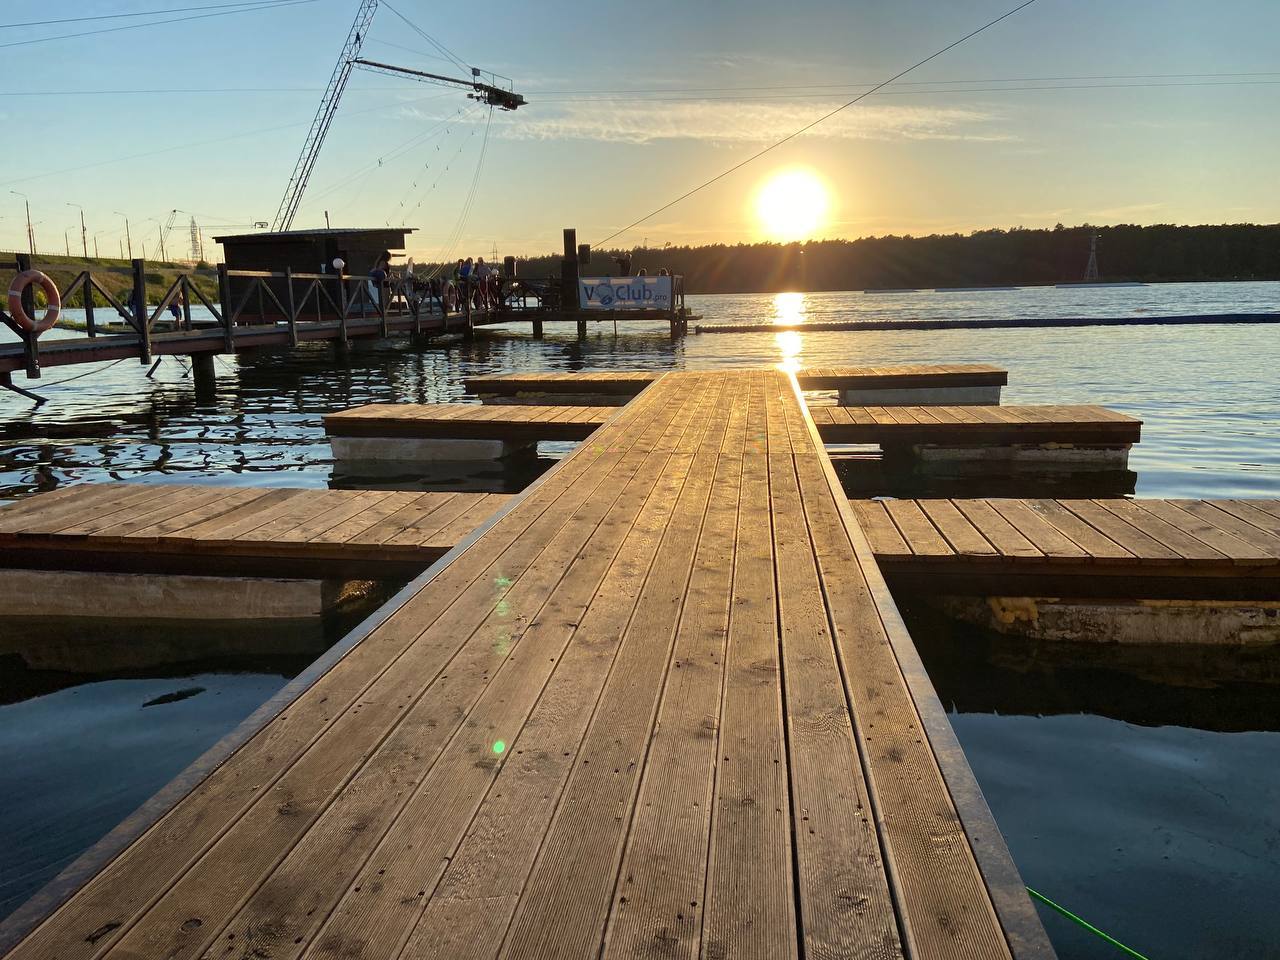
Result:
[[788, 311]]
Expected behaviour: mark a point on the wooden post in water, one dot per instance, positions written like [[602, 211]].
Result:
[[537, 329], [90, 326], [203, 374], [224, 294], [141, 319], [186, 302], [467, 292], [30, 349], [342, 343]]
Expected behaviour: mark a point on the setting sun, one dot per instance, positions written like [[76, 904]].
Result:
[[791, 205]]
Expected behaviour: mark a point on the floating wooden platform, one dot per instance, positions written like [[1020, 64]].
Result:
[[630, 383], [662, 704], [1151, 549], [245, 531], [999, 425], [945, 425]]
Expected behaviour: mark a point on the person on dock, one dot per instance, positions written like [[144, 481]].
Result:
[[378, 276], [482, 273]]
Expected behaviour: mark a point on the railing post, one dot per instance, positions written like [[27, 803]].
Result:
[[186, 302], [342, 317], [291, 307], [224, 293], [468, 294], [141, 321], [90, 325], [383, 289], [30, 341]]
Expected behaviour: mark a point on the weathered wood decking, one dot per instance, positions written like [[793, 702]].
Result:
[[663, 705], [1210, 549]]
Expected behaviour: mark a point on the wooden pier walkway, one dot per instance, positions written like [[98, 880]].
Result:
[[1190, 549], [242, 531], [662, 705]]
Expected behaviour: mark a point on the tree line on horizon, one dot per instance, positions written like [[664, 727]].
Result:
[[984, 258]]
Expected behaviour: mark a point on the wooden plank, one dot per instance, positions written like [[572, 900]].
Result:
[[750, 896], [1096, 545], [962, 535], [1126, 535], [1046, 538], [662, 880], [880, 528], [844, 899], [1171, 528], [68, 512], [1241, 540], [998, 531], [206, 514], [19, 512], [917, 529], [356, 528], [944, 908], [1254, 512]]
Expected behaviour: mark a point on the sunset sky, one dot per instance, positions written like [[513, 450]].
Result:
[[1153, 111]]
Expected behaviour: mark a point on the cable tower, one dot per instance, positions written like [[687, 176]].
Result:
[[324, 116], [1091, 271]]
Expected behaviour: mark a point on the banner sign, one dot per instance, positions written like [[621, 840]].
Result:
[[624, 293]]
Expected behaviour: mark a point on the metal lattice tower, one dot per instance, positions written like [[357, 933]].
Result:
[[1091, 271], [324, 116], [197, 243]]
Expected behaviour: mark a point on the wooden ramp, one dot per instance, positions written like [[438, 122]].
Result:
[[663, 705], [165, 528], [529, 386], [946, 425], [1151, 549]]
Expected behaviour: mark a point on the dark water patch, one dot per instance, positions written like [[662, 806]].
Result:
[[177, 696], [1137, 786]]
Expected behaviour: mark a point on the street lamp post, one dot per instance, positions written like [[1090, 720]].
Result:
[[31, 234], [84, 233], [66, 244], [127, 238]]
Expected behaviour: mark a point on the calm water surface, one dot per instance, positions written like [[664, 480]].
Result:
[[1153, 811]]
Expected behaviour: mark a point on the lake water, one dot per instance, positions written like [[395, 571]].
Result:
[[1153, 811]]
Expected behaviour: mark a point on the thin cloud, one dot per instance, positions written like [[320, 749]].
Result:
[[732, 123]]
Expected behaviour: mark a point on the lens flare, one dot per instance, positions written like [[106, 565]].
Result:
[[792, 205]]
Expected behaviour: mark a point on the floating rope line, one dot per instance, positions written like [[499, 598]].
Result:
[[1086, 924]]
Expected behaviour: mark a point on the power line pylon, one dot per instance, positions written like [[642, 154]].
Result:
[[1091, 271]]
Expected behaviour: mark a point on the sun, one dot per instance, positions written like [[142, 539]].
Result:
[[792, 204]]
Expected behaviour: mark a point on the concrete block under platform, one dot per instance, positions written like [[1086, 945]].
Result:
[[985, 395], [425, 450], [1065, 456], [1158, 622], [71, 593]]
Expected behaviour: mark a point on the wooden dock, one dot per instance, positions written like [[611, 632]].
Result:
[[241, 531], [661, 704], [1119, 548], [1077, 426], [533, 387]]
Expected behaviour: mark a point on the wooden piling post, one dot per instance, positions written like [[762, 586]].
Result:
[[224, 293], [90, 326], [203, 374], [537, 329], [342, 317], [30, 349]]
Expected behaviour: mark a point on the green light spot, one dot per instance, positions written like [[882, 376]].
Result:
[[499, 746]]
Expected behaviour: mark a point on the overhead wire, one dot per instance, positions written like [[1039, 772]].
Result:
[[455, 236], [440, 173], [809, 126], [457, 61], [136, 13], [263, 5]]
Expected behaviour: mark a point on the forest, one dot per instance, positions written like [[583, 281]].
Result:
[[984, 258]]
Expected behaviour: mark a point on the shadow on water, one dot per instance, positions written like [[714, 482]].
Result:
[[98, 715], [1136, 785]]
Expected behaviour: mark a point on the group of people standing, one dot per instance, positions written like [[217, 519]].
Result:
[[481, 281]]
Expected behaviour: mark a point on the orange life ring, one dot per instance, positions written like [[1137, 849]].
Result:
[[20, 283]]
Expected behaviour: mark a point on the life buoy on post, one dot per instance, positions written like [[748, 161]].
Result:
[[20, 283]]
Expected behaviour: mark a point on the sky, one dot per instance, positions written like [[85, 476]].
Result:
[[1143, 111]]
